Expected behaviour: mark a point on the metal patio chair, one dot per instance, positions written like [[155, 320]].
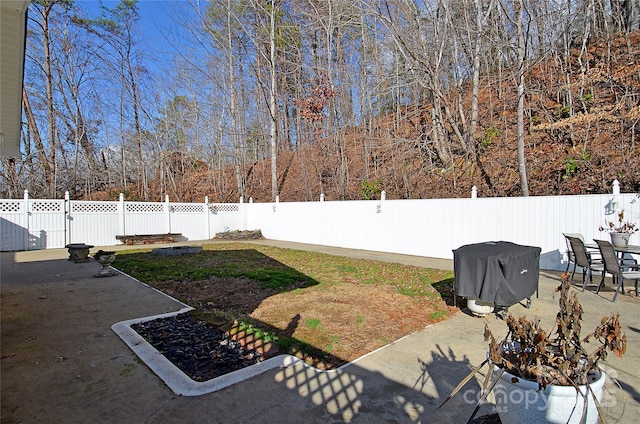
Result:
[[619, 272], [571, 257], [582, 257]]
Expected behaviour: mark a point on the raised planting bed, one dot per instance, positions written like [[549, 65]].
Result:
[[198, 349], [240, 235], [148, 238]]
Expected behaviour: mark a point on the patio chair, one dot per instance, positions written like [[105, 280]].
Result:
[[571, 257], [619, 272], [583, 259]]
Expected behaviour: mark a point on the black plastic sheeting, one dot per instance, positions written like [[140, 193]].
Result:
[[501, 272]]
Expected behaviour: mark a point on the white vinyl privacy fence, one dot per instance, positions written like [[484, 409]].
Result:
[[433, 228], [29, 224], [429, 227]]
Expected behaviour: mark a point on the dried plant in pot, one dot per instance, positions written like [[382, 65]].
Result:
[[537, 376], [620, 231]]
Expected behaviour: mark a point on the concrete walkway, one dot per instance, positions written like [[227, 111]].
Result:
[[62, 363]]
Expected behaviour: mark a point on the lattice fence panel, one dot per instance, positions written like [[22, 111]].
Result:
[[94, 207], [47, 206], [224, 207], [11, 206], [187, 208], [144, 207]]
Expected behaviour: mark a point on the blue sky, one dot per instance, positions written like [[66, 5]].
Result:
[[161, 34], [158, 20], [161, 31]]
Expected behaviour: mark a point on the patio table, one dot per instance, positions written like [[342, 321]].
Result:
[[633, 249], [627, 250], [502, 273]]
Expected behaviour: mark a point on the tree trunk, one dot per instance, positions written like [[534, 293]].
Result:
[[272, 105], [51, 117], [234, 108], [480, 18], [138, 133], [522, 164], [41, 154]]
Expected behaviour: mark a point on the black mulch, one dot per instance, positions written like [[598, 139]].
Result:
[[200, 350]]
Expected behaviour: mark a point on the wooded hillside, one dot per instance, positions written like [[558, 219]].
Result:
[[421, 99], [577, 152]]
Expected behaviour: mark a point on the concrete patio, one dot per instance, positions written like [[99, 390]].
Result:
[[62, 363]]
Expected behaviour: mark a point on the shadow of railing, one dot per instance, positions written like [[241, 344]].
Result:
[[362, 393]]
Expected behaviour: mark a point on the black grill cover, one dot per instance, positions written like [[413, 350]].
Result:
[[501, 272]]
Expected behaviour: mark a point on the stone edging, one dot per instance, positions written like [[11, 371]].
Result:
[[178, 381]]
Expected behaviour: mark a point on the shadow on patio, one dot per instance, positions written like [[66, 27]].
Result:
[[62, 363]]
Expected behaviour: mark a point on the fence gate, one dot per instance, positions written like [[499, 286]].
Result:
[[46, 224]]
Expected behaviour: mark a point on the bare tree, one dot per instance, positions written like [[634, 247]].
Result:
[[482, 12], [34, 132], [273, 89], [117, 27], [42, 17], [73, 69], [518, 7]]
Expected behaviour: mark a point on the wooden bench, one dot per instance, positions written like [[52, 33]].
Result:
[[149, 238]]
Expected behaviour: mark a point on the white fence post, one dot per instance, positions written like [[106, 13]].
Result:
[[167, 209], [322, 197], [474, 192], [123, 228], [616, 187], [207, 223], [26, 219], [67, 218]]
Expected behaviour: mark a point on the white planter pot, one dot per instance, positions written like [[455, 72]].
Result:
[[521, 402], [620, 239]]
